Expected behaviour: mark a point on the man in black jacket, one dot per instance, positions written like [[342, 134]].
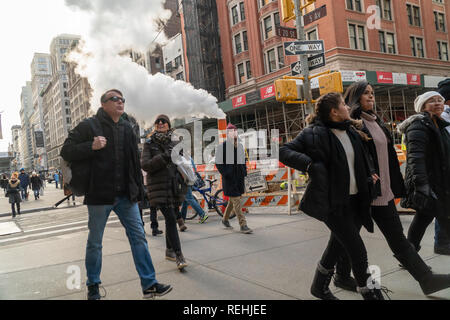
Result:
[[115, 185]]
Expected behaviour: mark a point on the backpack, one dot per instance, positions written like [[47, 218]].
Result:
[[77, 175]]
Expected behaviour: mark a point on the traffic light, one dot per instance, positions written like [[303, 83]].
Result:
[[331, 83], [287, 10], [286, 90]]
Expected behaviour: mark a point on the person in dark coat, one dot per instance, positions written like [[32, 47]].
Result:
[[360, 97], [12, 191], [36, 184], [115, 185], [230, 162], [4, 182], [24, 183], [165, 187], [331, 151], [427, 177]]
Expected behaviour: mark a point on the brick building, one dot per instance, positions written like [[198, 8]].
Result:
[[405, 55]]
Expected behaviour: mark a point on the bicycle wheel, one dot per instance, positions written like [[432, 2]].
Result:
[[191, 213], [220, 204]]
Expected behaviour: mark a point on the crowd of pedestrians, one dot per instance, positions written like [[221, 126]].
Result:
[[354, 177]]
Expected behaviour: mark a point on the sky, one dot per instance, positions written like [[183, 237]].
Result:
[[26, 27]]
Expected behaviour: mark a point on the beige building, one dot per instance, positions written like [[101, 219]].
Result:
[[79, 93], [26, 112]]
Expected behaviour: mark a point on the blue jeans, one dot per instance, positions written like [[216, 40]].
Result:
[[128, 214], [190, 200], [23, 192]]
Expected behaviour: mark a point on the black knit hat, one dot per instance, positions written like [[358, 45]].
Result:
[[163, 116], [444, 89]]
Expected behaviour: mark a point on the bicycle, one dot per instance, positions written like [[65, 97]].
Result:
[[215, 201]]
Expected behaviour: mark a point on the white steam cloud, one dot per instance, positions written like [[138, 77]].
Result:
[[118, 25]]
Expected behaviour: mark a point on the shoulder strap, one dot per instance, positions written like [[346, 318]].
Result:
[[96, 126]]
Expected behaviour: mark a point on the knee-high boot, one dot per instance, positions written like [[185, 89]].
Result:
[[320, 286], [343, 278]]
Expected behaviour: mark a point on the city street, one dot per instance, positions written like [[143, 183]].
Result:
[[277, 262]]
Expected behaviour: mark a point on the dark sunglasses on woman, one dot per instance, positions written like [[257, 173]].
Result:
[[115, 99], [163, 121]]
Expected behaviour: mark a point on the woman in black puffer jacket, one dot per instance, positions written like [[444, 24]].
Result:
[[428, 166], [165, 191]]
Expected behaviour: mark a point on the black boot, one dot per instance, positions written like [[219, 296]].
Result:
[[320, 286], [371, 294], [342, 278], [429, 282]]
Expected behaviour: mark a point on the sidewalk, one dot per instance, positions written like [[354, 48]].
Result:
[[45, 202]]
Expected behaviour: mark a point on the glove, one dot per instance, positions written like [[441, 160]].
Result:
[[424, 197]]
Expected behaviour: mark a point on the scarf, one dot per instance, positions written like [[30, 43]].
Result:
[[14, 184], [162, 138]]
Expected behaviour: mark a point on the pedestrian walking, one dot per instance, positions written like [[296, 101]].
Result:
[[230, 162], [339, 192], [4, 183], [115, 185], [36, 184], [441, 241], [360, 96], [24, 183], [12, 191], [56, 178], [427, 177], [191, 201], [165, 186]]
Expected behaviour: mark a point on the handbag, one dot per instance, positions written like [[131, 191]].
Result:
[[184, 167]]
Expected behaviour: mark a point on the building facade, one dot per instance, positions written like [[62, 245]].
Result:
[[173, 54], [80, 94], [402, 54], [26, 113], [15, 148]]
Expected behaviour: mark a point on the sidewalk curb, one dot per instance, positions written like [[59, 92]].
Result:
[[2, 215]]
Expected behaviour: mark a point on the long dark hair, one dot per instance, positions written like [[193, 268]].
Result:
[[323, 107], [353, 95]]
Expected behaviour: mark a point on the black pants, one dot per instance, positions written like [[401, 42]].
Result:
[[346, 241], [14, 209], [172, 238], [420, 223], [153, 218]]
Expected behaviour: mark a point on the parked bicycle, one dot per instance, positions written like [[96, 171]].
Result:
[[216, 201]]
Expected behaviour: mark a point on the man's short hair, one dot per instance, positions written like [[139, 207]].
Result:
[[103, 97]]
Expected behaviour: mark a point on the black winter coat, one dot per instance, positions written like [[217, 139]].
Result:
[[397, 183], [312, 146], [102, 187], [161, 175], [36, 183], [233, 174], [13, 191], [427, 162]]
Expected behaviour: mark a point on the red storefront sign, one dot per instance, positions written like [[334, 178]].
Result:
[[239, 101], [414, 79], [268, 92], [385, 77]]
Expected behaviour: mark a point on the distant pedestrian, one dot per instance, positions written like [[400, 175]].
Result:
[[115, 185], [230, 161], [24, 183], [4, 183], [165, 187], [36, 185], [154, 225], [12, 191], [56, 178]]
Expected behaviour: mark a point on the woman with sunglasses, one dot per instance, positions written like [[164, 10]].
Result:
[[427, 176], [360, 97], [162, 188]]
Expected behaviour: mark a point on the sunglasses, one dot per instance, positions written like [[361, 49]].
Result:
[[163, 121], [115, 99]]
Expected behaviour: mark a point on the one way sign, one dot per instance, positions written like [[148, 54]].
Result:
[[292, 48], [314, 62]]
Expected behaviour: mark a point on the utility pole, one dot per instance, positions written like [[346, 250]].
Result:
[[303, 57]]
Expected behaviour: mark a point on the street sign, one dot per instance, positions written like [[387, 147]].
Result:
[[254, 181], [315, 15], [314, 62], [286, 32], [292, 48]]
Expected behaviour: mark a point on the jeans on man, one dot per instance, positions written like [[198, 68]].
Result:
[[129, 217], [23, 192], [191, 201]]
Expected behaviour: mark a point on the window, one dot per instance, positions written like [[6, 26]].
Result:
[[274, 59], [413, 15], [241, 73], [242, 9], [357, 36], [179, 76], [439, 21], [355, 5], [249, 69], [443, 50], [237, 43], [268, 25], [417, 47], [169, 67], [385, 9], [311, 35], [245, 40], [387, 42], [178, 62], [262, 3], [234, 14]]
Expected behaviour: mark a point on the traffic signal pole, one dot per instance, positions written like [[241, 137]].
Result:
[[303, 57]]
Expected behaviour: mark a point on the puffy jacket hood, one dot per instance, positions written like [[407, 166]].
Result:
[[402, 127]]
